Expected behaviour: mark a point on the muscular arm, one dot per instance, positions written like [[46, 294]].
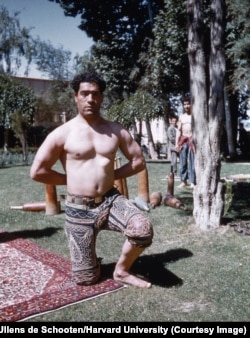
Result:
[[46, 156], [132, 151]]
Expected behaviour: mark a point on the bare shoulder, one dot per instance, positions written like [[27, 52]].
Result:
[[118, 128], [59, 134], [115, 128]]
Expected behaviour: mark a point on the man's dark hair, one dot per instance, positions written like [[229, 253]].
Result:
[[91, 76], [186, 97]]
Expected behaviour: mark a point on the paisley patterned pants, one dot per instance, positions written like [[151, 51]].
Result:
[[82, 225]]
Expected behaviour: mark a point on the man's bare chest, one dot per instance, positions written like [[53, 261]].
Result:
[[88, 145]]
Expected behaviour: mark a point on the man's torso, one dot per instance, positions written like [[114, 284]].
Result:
[[185, 125], [88, 158]]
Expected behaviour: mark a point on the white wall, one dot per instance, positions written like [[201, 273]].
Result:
[[158, 131]]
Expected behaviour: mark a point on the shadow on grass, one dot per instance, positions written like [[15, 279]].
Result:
[[153, 268], [239, 207], [240, 204], [47, 232], [186, 197]]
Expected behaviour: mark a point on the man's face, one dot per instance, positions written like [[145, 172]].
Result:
[[88, 99], [187, 107]]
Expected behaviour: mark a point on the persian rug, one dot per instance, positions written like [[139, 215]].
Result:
[[34, 281]]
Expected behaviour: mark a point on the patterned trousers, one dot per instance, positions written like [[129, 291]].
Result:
[[82, 226]]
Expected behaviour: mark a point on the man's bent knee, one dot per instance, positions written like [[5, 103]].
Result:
[[140, 232]]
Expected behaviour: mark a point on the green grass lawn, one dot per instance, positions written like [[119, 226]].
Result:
[[197, 275]]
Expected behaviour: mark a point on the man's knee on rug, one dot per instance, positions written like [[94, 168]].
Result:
[[87, 277]]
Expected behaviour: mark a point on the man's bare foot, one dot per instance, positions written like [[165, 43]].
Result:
[[132, 280]]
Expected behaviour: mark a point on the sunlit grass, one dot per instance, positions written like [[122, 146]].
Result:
[[197, 275]]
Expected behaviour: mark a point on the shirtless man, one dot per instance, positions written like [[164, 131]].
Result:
[[86, 146], [185, 146]]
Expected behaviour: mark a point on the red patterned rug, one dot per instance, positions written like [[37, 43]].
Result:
[[34, 281]]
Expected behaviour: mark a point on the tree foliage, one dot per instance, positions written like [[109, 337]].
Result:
[[14, 96], [59, 100], [17, 104], [141, 106], [17, 101], [166, 60], [15, 42], [123, 32], [238, 44], [130, 20], [140, 45], [146, 41], [50, 61], [18, 47]]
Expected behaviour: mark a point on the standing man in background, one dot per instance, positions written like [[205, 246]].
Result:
[[185, 146], [171, 140]]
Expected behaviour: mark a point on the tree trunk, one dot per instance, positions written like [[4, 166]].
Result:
[[207, 112], [24, 143], [152, 151], [229, 127], [6, 139]]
